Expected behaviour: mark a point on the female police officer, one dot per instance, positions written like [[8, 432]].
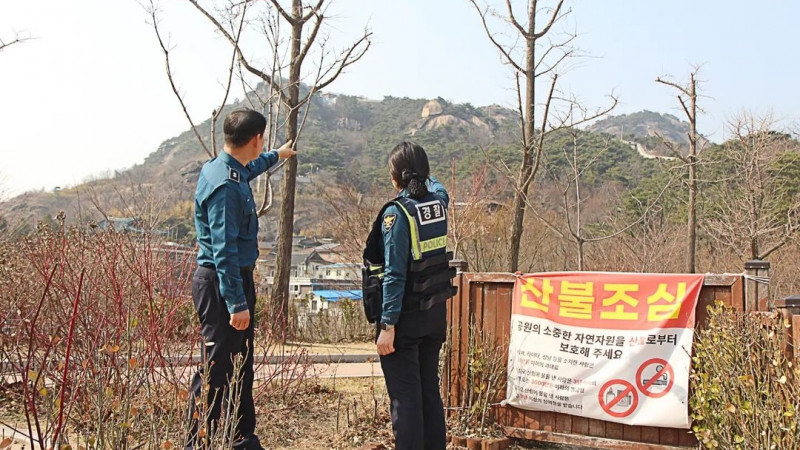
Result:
[[416, 283]]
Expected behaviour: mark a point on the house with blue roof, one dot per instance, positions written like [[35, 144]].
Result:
[[325, 300]]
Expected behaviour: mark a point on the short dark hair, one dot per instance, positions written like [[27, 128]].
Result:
[[408, 164], [242, 125]]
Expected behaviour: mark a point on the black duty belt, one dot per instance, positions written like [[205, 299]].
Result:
[[243, 269]]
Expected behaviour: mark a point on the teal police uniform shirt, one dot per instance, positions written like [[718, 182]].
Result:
[[397, 251], [226, 221]]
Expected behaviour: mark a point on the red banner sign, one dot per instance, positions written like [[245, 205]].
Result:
[[609, 346], [610, 300]]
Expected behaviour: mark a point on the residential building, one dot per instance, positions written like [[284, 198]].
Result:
[[316, 266], [328, 300]]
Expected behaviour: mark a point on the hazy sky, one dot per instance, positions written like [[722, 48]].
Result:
[[89, 93]]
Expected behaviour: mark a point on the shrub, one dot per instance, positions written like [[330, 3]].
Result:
[[485, 379], [746, 392], [345, 323], [95, 332]]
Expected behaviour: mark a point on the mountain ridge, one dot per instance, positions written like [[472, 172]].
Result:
[[346, 138]]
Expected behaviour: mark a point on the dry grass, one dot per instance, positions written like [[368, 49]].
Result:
[[335, 413], [329, 414]]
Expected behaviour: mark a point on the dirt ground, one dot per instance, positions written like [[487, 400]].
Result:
[[335, 414], [347, 413]]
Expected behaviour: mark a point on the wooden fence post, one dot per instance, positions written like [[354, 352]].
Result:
[[452, 378], [789, 309], [756, 286], [460, 265]]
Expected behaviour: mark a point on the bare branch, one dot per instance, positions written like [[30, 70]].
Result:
[[775, 247], [497, 164], [95, 201], [289, 18], [216, 113], [542, 133], [307, 103], [520, 109], [682, 89], [247, 87], [513, 20], [671, 147], [565, 55], [542, 219], [16, 40], [267, 78], [683, 105], [313, 12], [153, 12], [553, 19], [600, 112], [266, 205], [494, 41], [345, 60], [565, 193], [639, 219], [311, 38]]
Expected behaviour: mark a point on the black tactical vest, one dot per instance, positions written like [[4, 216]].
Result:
[[428, 278]]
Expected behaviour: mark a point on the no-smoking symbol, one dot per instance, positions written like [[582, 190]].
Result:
[[655, 378], [618, 398]]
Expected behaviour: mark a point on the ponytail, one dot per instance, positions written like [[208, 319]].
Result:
[[408, 164], [415, 185]]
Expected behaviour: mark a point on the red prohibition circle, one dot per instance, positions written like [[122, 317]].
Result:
[[666, 368], [620, 395]]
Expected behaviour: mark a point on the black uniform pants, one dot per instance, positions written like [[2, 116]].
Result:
[[412, 379], [221, 344]]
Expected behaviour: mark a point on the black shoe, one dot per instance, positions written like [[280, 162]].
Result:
[[249, 443]]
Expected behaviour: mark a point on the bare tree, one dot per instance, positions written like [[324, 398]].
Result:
[[530, 63], [578, 160], [236, 20], [467, 209], [578, 157], [757, 201], [351, 218], [651, 245], [281, 69], [687, 97]]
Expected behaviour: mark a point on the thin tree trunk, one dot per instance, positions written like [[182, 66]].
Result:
[[692, 222], [516, 230], [280, 288], [691, 161], [577, 176], [526, 169], [753, 225]]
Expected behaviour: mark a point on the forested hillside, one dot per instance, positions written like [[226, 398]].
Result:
[[595, 198], [345, 140]]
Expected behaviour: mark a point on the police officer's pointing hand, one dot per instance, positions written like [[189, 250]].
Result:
[[286, 150], [240, 320]]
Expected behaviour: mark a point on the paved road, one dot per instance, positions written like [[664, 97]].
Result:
[[352, 370]]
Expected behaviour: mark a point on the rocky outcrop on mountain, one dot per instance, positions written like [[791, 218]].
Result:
[[432, 108]]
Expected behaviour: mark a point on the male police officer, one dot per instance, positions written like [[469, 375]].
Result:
[[222, 287]]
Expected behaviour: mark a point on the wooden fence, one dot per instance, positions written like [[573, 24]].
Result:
[[483, 302]]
